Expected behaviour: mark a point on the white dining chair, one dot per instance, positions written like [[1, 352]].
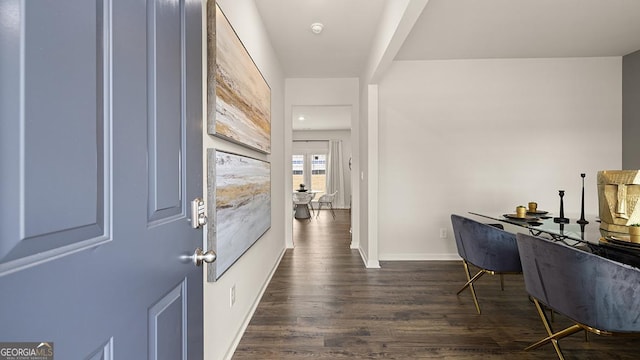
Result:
[[327, 200]]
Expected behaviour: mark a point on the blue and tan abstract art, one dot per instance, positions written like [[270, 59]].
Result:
[[239, 99], [239, 206]]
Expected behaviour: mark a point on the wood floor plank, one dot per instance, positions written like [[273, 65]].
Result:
[[323, 304]]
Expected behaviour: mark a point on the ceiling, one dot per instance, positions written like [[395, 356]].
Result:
[[447, 29], [472, 29], [339, 51], [321, 117]]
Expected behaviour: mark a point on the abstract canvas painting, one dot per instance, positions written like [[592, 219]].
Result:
[[239, 206], [239, 99]]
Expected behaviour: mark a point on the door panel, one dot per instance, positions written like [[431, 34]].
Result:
[[104, 352], [167, 338], [101, 152], [165, 133], [37, 230]]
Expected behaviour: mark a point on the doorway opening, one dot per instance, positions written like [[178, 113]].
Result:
[[321, 153]]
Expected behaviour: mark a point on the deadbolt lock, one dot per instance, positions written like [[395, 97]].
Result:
[[198, 217]]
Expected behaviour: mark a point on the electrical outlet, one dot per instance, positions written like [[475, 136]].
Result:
[[443, 233], [232, 295]]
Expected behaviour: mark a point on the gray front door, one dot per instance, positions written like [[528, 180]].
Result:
[[100, 155]]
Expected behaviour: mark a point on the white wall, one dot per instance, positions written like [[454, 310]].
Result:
[[345, 137], [223, 324], [398, 18], [361, 196], [396, 23], [631, 111], [486, 136], [326, 91]]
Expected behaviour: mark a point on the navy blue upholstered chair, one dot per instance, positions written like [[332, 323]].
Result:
[[600, 295], [492, 250]]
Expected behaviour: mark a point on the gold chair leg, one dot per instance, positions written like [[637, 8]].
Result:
[[469, 283], [502, 282], [553, 337]]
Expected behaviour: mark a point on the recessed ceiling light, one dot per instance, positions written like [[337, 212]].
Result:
[[301, 118], [316, 28]]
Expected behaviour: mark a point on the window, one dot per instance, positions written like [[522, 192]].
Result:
[[311, 170], [298, 170], [319, 174]]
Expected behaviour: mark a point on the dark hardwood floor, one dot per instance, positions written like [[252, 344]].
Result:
[[323, 304]]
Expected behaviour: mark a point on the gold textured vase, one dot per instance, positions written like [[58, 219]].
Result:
[[634, 234]]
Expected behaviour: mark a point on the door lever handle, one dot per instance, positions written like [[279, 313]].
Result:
[[199, 256]]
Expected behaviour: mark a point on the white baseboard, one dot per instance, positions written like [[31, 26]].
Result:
[[363, 256], [254, 306], [369, 264], [418, 257]]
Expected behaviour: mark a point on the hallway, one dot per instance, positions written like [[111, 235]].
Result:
[[323, 304]]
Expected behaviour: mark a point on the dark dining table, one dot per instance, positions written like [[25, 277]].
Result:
[[585, 236]]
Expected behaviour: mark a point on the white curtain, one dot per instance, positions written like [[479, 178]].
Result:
[[335, 172]]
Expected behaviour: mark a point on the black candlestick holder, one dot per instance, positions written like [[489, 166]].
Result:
[[561, 219], [582, 220]]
